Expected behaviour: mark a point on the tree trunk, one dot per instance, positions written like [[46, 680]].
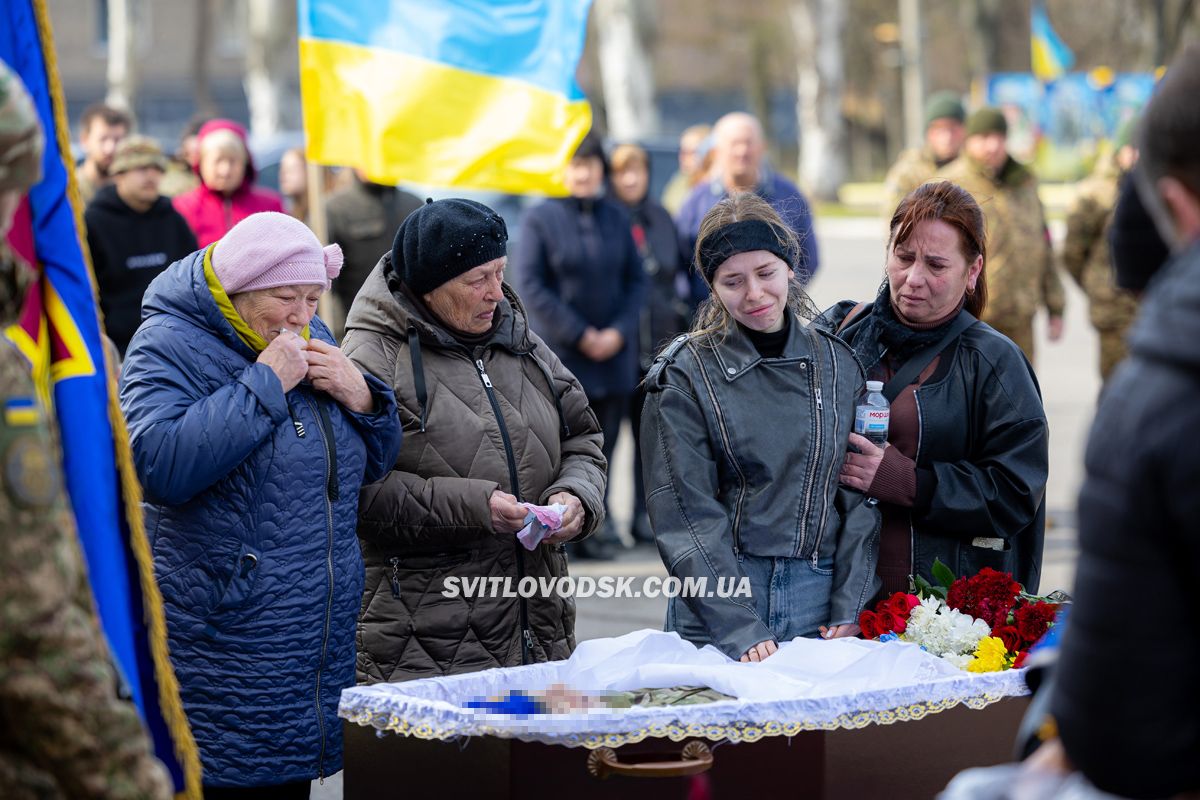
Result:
[[201, 52], [821, 77], [981, 21], [268, 39], [912, 45], [626, 71], [122, 60]]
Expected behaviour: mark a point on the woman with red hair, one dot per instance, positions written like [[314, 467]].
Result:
[[962, 476]]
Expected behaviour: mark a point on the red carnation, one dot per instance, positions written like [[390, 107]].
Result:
[[1010, 636], [869, 624], [1019, 661], [988, 596], [1033, 620]]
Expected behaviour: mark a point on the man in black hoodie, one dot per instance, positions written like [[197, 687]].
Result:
[[134, 233]]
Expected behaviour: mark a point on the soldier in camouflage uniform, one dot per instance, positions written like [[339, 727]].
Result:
[[944, 132], [1021, 277], [1086, 254], [63, 731]]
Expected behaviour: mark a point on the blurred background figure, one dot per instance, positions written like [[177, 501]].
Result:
[[63, 730], [580, 275], [101, 129], [134, 233], [293, 183], [1086, 256], [945, 130], [694, 145], [227, 193], [739, 150], [182, 175], [667, 309], [363, 218], [1021, 273]]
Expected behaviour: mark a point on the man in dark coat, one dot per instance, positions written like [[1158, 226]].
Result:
[[1125, 699], [363, 218], [134, 233], [580, 275]]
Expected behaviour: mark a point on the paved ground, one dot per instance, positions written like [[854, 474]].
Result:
[[852, 257]]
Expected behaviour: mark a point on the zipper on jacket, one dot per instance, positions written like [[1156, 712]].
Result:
[[824, 519], [526, 633], [326, 430], [395, 578], [810, 475], [728, 447]]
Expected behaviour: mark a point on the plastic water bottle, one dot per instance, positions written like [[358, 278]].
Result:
[[873, 413]]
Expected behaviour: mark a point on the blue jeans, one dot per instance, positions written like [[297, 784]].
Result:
[[790, 595]]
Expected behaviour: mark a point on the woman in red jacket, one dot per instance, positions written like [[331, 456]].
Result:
[[226, 194]]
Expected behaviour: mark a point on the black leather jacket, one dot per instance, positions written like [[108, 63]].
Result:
[[982, 456], [741, 454]]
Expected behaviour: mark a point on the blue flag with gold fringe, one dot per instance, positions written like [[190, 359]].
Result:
[[59, 332]]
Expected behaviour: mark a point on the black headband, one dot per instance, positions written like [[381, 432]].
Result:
[[743, 237]]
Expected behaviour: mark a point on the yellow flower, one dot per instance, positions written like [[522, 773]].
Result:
[[990, 656]]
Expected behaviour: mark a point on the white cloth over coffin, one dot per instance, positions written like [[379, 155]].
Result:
[[809, 681]]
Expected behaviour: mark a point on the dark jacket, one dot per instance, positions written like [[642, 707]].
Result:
[[576, 266], [983, 455], [363, 218], [504, 415], [129, 249], [783, 196], [667, 309], [723, 476], [252, 528], [1126, 698]]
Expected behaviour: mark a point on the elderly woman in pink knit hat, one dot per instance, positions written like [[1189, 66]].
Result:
[[251, 435]]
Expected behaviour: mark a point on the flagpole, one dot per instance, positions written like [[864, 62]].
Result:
[[317, 221]]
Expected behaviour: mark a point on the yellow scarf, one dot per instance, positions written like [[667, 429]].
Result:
[[252, 339]]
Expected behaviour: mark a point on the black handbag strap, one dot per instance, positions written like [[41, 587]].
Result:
[[921, 359]]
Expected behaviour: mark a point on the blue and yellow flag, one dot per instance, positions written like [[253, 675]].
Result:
[[59, 332], [1050, 55], [460, 93]]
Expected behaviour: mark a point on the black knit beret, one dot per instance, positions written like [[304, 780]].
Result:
[[445, 238]]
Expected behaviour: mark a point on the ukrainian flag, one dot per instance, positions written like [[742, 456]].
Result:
[[59, 332], [475, 94], [1050, 55]]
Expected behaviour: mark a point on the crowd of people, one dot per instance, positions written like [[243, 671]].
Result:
[[307, 492]]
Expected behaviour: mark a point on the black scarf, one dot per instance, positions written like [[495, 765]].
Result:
[[899, 338]]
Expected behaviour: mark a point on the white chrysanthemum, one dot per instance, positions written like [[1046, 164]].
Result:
[[942, 630]]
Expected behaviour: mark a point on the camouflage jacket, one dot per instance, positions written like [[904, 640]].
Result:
[[1021, 277], [1085, 249], [914, 167], [63, 731]]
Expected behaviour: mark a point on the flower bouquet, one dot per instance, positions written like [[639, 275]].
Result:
[[982, 623]]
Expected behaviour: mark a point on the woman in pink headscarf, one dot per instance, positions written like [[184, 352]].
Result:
[[226, 194]]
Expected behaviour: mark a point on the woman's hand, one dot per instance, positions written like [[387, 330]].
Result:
[[508, 516], [858, 471], [285, 356], [331, 372], [760, 651], [840, 631], [572, 521]]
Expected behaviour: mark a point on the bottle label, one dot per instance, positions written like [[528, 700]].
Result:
[[872, 422]]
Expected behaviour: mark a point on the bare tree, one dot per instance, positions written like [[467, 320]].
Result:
[[626, 71], [1169, 28], [202, 58], [122, 58], [981, 22], [271, 33], [818, 26]]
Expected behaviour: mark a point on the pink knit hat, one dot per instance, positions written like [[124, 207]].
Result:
[[270, 249]]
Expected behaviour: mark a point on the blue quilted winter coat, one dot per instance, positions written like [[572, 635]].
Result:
[[251, 503]]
